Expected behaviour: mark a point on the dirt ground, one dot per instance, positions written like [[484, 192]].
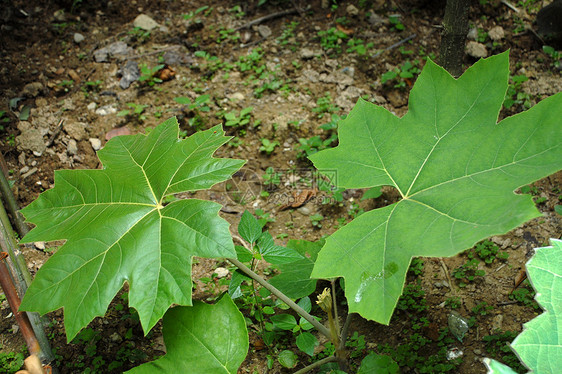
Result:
[[50, 59]]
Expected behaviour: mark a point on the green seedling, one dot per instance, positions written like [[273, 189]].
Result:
[[358, 46], [287, 37], [324, 106], [487, 251], [139, 34], [195, 108], [403, 76], [468, 272], [190, 15], [268, 146], [312, 145], [148, 74], [271, 178], [396, 23], [453, 302], [136, 111], [316, 220], [331, 40], [482, 309], [238, 121], [515, 94], [553, 54]]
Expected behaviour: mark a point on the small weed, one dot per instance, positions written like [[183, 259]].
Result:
[[525, 295], [453, 302], [316, 220], [395, 23], [482, 309], [242, 120], [10, 362], [136, 111], [4, 119], [412, 299], [195, 108], [487, 251], [553, 54], [403, 76], [515, 94], [331, 40], [190, 15], [416, 267], [271, 178], [324, 106], [139, 34], [268, 146], [358, 46], [287, 37], [227, 34], [313, 145], [148, 74], [263, 217], [468, 272], [91, 86], [497, 345]]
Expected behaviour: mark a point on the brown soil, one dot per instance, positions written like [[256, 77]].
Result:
[[39, 49]]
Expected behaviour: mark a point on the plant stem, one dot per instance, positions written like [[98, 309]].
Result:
[[316, 364], [344, 331], [335, 306], [11, 203], [320, 327], [455, 23]]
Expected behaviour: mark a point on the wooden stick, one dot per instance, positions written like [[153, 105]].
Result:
[[265, 18]]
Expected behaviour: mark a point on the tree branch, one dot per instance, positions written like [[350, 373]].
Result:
[[320, 327]]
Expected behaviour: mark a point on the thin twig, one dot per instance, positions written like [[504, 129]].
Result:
[[345, 330], [320, 327], [265, 18], [446, 270], [55, 133], [510, 6], [316, 364], [395, 45]]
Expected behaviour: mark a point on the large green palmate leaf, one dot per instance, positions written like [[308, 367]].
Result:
[[118, 228], [539, 346], [203, 339], [455, 168]]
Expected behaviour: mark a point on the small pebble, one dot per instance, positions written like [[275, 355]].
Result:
[[34, 163], [24, 170], [78, 38], [96, 144], [39, 245], [221, 272], [92, 106]]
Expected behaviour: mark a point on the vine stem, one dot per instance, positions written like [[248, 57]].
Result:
[[316, 364], [344, 331], [320, 327]]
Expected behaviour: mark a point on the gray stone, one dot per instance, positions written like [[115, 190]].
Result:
[[92, 106], [24, 170], [497, 323], [236, 96], [30, 138], [117, 49], [352, 10], [128, 73], [304, 210], [96, 144], [472, 34], [76, 130], [78, 38], [32, 89], [311, 75], [29, 173], [496, 33], [375, 19], [475, 49], [39, 245], [307, 54], [72, 147], [177, 58], [105, 110], [264, 31], [145, 22]]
